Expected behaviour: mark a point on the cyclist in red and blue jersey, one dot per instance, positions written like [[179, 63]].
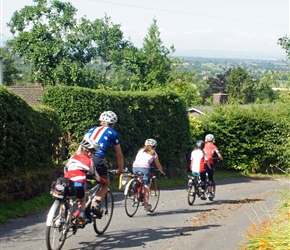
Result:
[[105, 135]]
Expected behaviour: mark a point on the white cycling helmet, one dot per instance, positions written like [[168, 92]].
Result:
[[90, 144], [151, 142], [209, 137], [108, 117], [103, 116]]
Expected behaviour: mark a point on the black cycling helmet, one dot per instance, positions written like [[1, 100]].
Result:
[[199, 144]]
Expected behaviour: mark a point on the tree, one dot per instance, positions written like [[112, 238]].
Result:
[[216, 84], [240, 86], [183, 84], [284, 42], [59, 49], [10, 71], [152, 63]]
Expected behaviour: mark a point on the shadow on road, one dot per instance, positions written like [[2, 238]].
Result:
[[141, 238]]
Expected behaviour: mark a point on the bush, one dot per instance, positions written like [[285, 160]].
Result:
[[28, 137], [251, 138], [141, 115]]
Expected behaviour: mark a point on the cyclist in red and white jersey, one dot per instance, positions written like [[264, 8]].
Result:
[[210, 149], [198, 161], [77, 168]]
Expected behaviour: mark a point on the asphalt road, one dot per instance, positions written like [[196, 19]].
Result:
[[206, 225]]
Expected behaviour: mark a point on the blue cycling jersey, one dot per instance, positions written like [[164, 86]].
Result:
[[104, 136]]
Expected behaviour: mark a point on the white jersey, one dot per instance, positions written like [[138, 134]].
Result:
[[143, 160]]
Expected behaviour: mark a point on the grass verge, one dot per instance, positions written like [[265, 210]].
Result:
[[274, 232], [19, 208]]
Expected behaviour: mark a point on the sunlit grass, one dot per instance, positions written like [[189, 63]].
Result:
[[19, 208], [274, 232]]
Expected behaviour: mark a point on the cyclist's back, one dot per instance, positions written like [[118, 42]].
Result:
[[210, 149]]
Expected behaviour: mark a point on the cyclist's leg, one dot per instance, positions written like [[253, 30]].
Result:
[[203, 180], [146, 182], [210, 178], [102, 169]]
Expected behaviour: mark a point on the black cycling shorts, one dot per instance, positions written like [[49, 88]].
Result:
[[101, 166], [79, 192]]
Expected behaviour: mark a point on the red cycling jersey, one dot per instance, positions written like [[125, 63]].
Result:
[[210, 149]]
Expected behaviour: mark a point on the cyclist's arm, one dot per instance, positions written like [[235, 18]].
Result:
[[120, 158], [220, 155], [208, 164], [158, 165]]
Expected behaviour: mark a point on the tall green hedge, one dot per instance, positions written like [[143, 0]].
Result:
[[141, 115], [29, 137], [251, 138]]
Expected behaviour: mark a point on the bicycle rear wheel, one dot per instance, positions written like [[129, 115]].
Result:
[[56, 230], [191, 193], [154, 194], [213, 191], [102, 221], [131, 199]]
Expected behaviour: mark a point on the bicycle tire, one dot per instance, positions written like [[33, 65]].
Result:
[[213, 191], [102, 222], [191, 194], [154, 194], [131, 199], [56, 229]]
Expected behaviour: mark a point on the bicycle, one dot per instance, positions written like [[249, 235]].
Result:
[[194, 188], [134, 193], [60, 220]]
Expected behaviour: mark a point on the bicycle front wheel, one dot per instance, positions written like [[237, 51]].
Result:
[[102, 221], [154, 194], [131, 199], [56, 226], [191, 193]]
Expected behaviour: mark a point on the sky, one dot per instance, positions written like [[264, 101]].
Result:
[[196, 28]]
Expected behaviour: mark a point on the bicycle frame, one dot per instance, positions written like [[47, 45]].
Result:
[[133, 196], [60, 220]]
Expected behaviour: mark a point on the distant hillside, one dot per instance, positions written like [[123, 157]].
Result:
[[257, 68]]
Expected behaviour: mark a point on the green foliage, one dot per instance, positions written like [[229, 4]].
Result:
[[148, 114], [10, 71], [196, 129], [240, 86], [216, 84], [183, 84], [59, 48], [251, 138], [28, 137], [284, 42]]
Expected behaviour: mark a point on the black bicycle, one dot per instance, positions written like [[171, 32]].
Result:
[[60, 222], [194, 188], [134, 193]]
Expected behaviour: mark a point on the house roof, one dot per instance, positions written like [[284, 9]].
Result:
[[32, 95]]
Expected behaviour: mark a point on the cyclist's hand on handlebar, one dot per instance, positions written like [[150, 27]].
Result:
[[120, 171]]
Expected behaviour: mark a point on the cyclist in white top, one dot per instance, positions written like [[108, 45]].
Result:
[[144, 158]]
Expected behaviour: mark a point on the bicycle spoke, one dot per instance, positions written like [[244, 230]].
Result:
[[102, 221], [131, 199], [56, 232]]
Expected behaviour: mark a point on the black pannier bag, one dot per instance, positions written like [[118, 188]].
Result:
[[62, 187]]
